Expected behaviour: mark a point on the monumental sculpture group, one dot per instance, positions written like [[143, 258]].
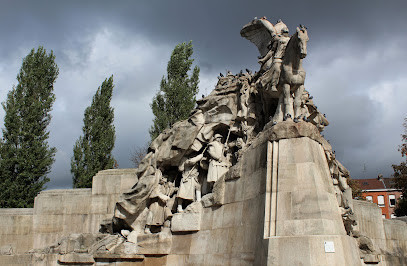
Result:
[[192, 169], [185, 161]]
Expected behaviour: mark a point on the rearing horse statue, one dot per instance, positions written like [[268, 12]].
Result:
[[291, 73], [292, 77]]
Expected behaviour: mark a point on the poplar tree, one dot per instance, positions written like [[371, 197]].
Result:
[[176, 97], [92, 152], [25, 156]]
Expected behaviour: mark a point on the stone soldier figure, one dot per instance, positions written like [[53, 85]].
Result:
[[190, 187], [218, 165], [159, 211]]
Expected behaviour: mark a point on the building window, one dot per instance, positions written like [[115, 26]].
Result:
[[380, 200], [369, 198], [392, 200], [384, 216]]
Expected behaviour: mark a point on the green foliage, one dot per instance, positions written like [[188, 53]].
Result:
[[176, 97], [93, 151], [26, 157], [401, 207], [400, 175]]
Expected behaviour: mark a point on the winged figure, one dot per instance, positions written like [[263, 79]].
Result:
[[281, 73]]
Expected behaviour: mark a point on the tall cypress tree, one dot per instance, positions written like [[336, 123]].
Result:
[[176, 97], [26, 157], [93, 151]]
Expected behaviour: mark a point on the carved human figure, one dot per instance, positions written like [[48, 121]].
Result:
[[190, 187], [247, 107], [236, 149], [244, 97], [272, 61], [292, 77], [159, 211], [241, 145], [218, 165], [287, 75]]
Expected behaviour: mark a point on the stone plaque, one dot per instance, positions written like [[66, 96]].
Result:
[[329, 247]]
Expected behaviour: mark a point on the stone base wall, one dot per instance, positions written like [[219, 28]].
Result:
[[389, 236], [61, 212], [16, 231]]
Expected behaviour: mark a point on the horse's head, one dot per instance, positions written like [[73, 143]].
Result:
[[302, 40]]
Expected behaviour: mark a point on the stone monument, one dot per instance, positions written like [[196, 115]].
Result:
[[247, 179]]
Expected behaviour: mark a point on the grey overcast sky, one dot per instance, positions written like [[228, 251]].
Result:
[[356, 65]]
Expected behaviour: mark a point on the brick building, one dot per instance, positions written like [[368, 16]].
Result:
[[382, 192]]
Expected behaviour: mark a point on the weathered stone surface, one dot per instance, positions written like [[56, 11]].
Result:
[[155, 243], [220, 109], [127, 248], [186, 222], [234, 172], [366, 244], [125, 233], [75, 258], [219, 191], [207, 200], [371, 258], [135, 257], [289, 129], [6, 250], [106, 244], [102, 183], [133, 202], [132, 237], [181, 137]]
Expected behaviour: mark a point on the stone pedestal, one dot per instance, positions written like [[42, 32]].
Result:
[[303, 223]]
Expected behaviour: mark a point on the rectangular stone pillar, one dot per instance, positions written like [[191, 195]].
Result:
[[303, 223]]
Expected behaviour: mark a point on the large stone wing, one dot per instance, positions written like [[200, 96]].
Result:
[[259, 32]]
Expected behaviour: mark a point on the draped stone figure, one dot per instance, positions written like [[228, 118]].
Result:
[[218, 165], [190, 187], [159, 209]]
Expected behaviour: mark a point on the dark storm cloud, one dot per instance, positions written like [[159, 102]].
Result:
[[355, 64]]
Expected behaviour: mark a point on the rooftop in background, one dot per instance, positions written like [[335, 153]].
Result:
[[376, 183]]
